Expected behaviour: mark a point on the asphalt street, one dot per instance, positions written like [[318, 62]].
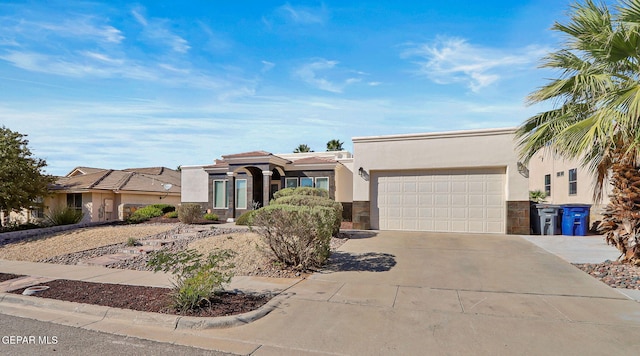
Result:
[[21, 336]]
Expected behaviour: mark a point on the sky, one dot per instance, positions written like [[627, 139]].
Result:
[[118, 84]]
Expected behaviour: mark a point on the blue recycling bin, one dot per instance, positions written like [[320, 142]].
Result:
[[575, 219]]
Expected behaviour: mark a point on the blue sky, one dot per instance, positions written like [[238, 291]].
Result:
[[116, 84]]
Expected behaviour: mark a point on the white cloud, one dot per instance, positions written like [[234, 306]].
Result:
[[157, 31], [453, 60], [303, 15], [267, 66], [315, 74]]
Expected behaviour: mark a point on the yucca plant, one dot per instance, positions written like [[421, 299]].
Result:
[[63, 216]]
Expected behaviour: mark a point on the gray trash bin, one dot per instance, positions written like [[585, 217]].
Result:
[[550, 219]]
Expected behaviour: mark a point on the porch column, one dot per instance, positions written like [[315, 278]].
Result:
[[231, 197], [266, 186]]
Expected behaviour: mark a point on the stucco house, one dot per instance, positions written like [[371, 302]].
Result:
[[564, 181], [459, 181], [109, 194], [239, 182]]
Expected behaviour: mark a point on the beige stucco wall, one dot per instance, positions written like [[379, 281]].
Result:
[[344, 181], [194, 186], [460, 149], [545, 162]]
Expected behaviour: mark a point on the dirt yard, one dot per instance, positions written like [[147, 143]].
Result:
[[77, 240]]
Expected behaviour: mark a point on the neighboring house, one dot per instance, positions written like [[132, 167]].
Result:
[[108, 194], [240, 182], [564, 182]]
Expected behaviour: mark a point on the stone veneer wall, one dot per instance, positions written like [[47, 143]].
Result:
[[361, 215], [518, 219]]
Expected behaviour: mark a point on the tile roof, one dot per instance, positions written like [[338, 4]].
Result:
[[154, 179], [314, 160], [248, 154]]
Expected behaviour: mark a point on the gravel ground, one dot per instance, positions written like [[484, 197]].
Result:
[[44, 247], [251, 254], [615, 274]]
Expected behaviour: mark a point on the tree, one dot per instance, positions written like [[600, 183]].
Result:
[[334, 145], [22, 181], [302, 148], [596, 112]]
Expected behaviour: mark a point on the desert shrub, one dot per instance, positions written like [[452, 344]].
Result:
[[63, 216], [197, 278], [171, 215], [246, 218], [189, 213], [166, 208], [301, 191], [311, 201], [297, 236], [212, 217], [144, 214], [132, 241]]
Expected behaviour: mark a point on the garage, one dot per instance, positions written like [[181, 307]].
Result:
[[449, 200]]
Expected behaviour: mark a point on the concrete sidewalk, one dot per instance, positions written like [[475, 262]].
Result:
[[581, 249], [414, 293]]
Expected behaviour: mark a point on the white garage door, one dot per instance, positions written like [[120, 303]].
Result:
[[442, 200]]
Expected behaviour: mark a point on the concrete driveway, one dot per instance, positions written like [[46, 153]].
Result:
[[403, 293]]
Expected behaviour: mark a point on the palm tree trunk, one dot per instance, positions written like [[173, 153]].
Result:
[[621, 221]]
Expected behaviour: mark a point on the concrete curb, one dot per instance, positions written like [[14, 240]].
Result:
[[172, 322]]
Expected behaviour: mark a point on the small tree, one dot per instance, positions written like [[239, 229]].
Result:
[[22, 180], [334, 145], [302, 148]]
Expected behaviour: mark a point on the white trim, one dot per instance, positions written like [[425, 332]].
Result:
[[225, 197], [286, 185], [305, 178], [316, 181], [238, 206], [436, 135]]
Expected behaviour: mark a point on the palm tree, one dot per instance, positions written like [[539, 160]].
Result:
[[596, 114], [334, 145], [302, 148]]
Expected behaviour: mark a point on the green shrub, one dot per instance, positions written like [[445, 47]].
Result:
[[132, 241], [212, 217], [144, 214], [171, 215], [298, 236], [63, 216], [317, 192], [166, 208], [246, 218], [311, 201], [197, 279], [189, 213]]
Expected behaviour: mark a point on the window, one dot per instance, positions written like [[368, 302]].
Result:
[[573, 181], [291, 182], [219, 194], [241, 193], [547, 185], [322, 183], [306, 182], [37, 209], [74, 200]]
